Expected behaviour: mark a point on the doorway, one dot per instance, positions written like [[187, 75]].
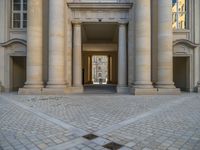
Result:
[[18, 72], [99, 56], [181, 73]]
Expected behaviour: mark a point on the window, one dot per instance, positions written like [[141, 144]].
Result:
[[19, 14], [179, 14]]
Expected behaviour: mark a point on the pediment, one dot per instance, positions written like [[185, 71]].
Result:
[[12, 42], [186, 43]]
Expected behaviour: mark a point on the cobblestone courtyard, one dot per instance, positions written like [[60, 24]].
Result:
[[133, 122]]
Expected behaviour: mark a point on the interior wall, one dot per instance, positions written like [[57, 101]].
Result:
[[19, 72]]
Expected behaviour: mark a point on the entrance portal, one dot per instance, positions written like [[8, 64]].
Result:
[[100, 57], [181, 69]]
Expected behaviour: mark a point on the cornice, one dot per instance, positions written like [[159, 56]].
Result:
[[100, 5], [186, 42], [13, 41]]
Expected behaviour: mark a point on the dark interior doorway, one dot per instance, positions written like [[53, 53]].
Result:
[[181, 72], [18, 72]]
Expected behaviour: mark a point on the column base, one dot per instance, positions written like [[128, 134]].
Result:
[[30, 91], [53, 91], [56, 86], [122, 90], [169, 91], [62, 91], [167, 88], [197, 89], [0, 88], [74, 90], [143, 91]]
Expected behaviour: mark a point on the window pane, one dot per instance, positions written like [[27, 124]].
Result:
[[174, 2], [179, 14], [16, 4], [24, 4], [24, 24], [182, 20], [17, 7], [24, 20], [16, 24], [25, 16], [16, 16]]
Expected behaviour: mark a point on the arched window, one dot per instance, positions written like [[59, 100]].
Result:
[[179, 14], [19, 14]]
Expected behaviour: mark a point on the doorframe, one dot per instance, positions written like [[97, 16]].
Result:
[[9, 68], [189, 71]]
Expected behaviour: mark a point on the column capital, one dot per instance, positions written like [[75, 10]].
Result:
[[76, 22], [122, 22]]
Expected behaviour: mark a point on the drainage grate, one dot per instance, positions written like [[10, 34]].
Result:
[[90, 136], [112, 146]]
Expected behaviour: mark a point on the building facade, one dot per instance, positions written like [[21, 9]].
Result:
[[150, 46]]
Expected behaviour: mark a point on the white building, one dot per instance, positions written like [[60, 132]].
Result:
[[46, 45]]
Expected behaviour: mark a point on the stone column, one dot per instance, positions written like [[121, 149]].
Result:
[[56, 44], [165, 83], [197, 49], [142, 84], [34, 83], [77, 56], [122, 60]]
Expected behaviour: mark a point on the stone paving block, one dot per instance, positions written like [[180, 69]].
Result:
[[140, 122], [101, 141]]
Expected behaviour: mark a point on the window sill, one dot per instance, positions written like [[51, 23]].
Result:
[[18, 30], [181, 31]]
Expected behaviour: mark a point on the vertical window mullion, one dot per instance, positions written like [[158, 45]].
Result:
[[177, 6], [12, 21], [21, 14]]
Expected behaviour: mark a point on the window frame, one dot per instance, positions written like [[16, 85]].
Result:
[[21, 12], [176, 15]]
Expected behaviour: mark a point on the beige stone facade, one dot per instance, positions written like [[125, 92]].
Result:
[[53, 55]]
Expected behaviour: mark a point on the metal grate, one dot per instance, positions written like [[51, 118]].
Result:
[[90, 136], [112, 146]]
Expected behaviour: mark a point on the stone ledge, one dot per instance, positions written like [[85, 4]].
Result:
[[100, 5], [53, 91], [74, 90], [30, 91], [165, 91], [143, 91], [50, 91], [122, 90]]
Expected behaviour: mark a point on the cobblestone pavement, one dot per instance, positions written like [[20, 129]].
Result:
[[134, 122]]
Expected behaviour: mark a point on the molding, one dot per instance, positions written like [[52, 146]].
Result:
[[181, 31], [100, 5], [13, 41], [185, 42]]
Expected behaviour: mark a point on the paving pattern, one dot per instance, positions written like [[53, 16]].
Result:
[[134, 122]]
